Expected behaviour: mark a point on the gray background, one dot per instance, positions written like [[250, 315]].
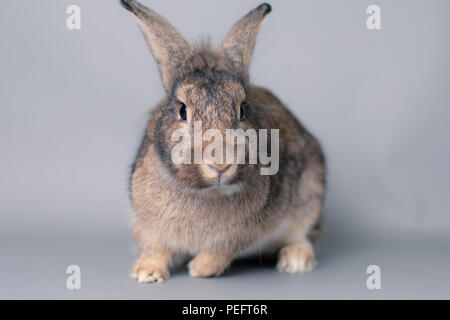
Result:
[[74, 105]]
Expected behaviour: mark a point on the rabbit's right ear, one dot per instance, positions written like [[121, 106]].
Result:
[[166, 44], [240, 40]]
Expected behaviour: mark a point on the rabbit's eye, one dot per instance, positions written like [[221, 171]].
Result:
[[244, 106], [183, 112]]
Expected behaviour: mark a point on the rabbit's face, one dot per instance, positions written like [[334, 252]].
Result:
[[207, 106], [203, 86]]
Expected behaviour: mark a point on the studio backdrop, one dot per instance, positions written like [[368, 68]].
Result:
[[75, 99]]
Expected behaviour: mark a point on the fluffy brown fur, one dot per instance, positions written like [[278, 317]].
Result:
[[180, 208]]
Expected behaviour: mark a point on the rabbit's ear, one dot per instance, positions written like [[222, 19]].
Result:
[[240, 40], [166, 44]]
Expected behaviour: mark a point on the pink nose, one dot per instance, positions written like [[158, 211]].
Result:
[[218, 168]]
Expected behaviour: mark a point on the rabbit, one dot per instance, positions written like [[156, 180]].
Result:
[[212, 212]]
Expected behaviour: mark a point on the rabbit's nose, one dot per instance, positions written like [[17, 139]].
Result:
[[218, 168], [220, 172]]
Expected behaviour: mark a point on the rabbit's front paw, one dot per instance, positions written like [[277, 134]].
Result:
[[297, 258], [146, 270], [207, 264]]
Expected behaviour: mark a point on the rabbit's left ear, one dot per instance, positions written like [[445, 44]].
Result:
[[166, 44], [240, 40]]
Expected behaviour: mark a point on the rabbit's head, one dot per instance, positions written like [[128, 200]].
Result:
[[206, 88]]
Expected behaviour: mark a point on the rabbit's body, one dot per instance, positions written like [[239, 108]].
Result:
[[187, 208]]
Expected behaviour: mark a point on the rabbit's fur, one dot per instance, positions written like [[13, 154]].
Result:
[[181, 209]]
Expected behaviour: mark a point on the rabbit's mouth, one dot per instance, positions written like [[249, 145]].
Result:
[[218, 174], [220, 181], [224, 188]]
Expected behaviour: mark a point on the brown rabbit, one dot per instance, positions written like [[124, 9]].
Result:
[[212, 211]]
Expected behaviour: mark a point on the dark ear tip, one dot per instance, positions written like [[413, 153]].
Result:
[[267, 8], [127, 4]]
